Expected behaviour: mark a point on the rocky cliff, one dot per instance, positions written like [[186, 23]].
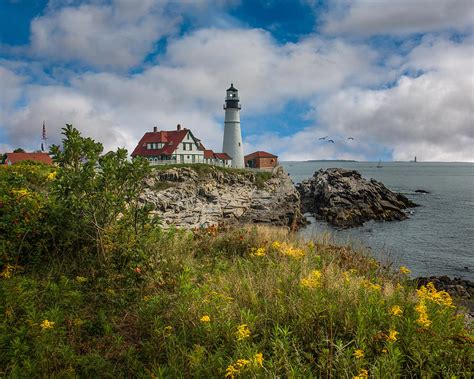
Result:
[[345, 199], [195, 197]]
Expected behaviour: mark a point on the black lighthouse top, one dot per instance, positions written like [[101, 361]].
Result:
[[232, 98]]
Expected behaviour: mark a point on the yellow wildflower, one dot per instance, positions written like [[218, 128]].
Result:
[[7, 272], [258, 358], [359, 353], [404, 270], [368, 284], [242, 332], [423, 319], [392, 335], [205, 318], [78, 322], [146, 298], [276, 245], [230, 372], [396, 310], [168, 330], [81, 279], [384, 350], [242, 363], [46, 324], [258, 252], [293, 252], [363, 374], [430, 293], [313, 280], [52, 175], [20, 192]]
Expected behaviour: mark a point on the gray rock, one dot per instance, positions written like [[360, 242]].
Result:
[[345, 199], [196, 199]]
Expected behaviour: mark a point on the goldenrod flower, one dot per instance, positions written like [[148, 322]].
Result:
[[46, 324], [258, 252], [359, 354], [258, 358], [52, 175], [422, 315], [168, 330], [205, 318], [430, 293], [396, 310], [404, 270], [242, 332], [230, 372], [392, 335], [313, 280], [363, 374], [242, 363]]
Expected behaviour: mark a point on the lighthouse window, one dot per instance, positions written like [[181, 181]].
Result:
[[239, 143]]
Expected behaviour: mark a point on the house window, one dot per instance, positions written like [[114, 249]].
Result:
[[190, 146]]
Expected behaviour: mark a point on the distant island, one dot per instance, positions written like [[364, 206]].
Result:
[[331, 160]]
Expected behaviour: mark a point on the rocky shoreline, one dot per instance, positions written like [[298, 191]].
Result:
[[344, 199]]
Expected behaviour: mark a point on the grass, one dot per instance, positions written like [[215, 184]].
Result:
[[250, 302], [245, 302]]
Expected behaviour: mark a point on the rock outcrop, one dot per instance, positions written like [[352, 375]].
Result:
[[344, 199], [195, 198]]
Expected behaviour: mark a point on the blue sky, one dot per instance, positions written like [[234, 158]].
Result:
[[396, 76]]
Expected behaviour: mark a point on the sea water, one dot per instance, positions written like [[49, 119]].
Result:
[[438, 236]]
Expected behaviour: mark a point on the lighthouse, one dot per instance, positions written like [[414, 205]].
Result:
[[232, 133]]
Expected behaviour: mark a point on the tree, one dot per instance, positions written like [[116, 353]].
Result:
[[18, 150], [96, 192]]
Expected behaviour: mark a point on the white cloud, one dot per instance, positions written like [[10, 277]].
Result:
[[365, 18], [118, 34], [431, 116]]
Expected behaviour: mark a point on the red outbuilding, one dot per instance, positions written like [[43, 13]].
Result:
[[261, 159]]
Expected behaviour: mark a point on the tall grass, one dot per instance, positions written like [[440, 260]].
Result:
[[248, 302]]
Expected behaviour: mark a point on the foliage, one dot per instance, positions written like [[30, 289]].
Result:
[[115, 296], [95, 192]]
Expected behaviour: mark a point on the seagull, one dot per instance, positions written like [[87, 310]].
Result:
[[352, 138], [323, 137], [332, 141]]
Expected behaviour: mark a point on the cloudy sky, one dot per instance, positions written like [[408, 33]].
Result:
[[398, 76]]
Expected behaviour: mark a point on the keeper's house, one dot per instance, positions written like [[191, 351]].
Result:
[[177, 146], [261, 159], [13, 158]]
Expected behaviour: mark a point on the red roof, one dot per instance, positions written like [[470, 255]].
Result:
[[260, 154], [222, 156], [171, 139], [13, 158], [208, 154]]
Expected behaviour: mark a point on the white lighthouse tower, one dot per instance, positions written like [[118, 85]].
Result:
[[232, 134]]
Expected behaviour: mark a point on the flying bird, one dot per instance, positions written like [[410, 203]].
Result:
[[332, 141], [323, 137], [352, 138]]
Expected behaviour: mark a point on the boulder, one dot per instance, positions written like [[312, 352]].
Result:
[[345, 199]]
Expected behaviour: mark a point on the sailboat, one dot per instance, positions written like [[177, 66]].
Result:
[[379, 165]]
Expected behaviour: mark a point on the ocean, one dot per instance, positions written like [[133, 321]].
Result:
[[438, 236]]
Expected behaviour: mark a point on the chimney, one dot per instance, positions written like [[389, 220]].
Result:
[[178, 127], [155, 129]]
